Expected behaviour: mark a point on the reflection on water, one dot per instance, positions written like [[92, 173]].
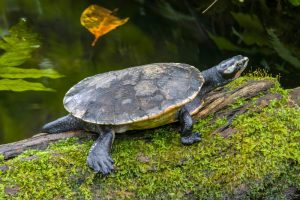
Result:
[[148, 37]]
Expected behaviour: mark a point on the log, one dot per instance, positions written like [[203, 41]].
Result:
[[215, 102], [39, 141], [220, 98], [295, 95]]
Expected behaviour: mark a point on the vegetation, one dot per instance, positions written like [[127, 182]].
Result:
[[18, 46], [260, 160], [265, 30], [270, 37]]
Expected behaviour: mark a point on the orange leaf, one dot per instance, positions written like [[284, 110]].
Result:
[[99, 21]]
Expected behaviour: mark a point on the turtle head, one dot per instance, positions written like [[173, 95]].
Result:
[[232, 68], [223, 73]]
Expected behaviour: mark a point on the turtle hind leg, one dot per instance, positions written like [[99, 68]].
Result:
[[187, 135], [63, 124], [99, 157]]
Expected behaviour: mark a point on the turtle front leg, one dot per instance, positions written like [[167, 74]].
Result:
[[99, 157], [186, 130]]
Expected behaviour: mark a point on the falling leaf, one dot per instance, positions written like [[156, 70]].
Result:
[[99, 21]]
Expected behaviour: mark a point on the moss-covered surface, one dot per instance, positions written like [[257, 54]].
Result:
[[262, 159]]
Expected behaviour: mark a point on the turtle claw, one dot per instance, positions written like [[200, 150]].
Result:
[[193, 138], [100, 162]]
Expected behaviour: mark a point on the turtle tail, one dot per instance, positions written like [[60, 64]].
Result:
[[63, 124]]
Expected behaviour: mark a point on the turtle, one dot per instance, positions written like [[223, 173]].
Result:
[[140, 97]]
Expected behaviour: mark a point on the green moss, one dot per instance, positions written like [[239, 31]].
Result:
[[260, 160], [1, 158], [252, 76]]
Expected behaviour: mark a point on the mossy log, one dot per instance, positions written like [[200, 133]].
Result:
[[214, 102], [249, 150]]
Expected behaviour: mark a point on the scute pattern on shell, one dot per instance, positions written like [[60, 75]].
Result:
[[133, 94]]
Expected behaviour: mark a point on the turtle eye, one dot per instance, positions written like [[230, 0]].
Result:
[[240, 65]]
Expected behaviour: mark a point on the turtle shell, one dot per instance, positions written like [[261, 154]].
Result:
[[133, 94]]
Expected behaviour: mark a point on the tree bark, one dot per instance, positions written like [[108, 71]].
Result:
[[215, 102]]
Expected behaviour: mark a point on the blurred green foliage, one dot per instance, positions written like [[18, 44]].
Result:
[[263, 29], [18, 46], [295, 2], [267, 31], [257, 39]]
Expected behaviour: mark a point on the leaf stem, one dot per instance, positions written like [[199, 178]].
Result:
[[204, 11]]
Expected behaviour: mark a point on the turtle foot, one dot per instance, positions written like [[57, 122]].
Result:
[[193, 138], [100, 162]]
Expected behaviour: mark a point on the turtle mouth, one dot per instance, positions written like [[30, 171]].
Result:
[[238, 74], [241, 67]]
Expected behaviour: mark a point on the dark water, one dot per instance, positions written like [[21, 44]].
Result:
[[149, 36]]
